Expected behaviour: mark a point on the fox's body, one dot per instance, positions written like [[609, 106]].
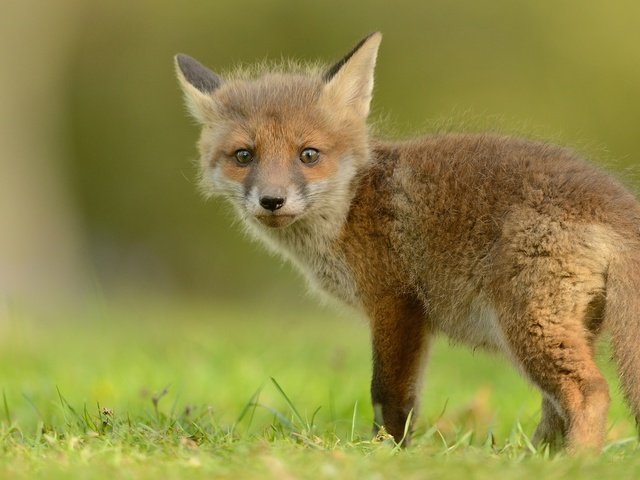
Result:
[[500, 243]]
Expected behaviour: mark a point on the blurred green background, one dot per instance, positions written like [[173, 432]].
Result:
[[97, 175]]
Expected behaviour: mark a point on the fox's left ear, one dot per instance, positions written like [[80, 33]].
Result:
[[198, 83], [350, 81]]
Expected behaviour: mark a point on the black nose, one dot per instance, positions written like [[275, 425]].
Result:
[[272, 203]]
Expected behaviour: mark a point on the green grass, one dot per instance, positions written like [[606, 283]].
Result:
[[168, 391]]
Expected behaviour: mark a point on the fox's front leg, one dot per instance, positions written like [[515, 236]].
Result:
[[400, 343]]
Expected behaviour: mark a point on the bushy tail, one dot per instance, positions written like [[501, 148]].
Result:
[[622, 317]]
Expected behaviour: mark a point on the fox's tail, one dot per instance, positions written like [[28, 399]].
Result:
[[622, 317]]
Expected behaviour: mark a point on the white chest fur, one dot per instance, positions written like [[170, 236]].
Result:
[[313, 252]]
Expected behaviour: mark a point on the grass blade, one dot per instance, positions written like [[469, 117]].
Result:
[[464, 440], [7, 413], [88, 420], [33, 405], [353, 422], [289, 402], [251, 404], [407, 426], [313, 417], [278, 416], [526, 440]]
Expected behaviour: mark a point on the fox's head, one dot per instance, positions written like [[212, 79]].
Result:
[[283, 145]]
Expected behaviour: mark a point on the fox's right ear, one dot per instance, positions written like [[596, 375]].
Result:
[[350, 81], [198, 83]]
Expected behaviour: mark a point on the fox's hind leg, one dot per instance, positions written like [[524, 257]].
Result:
[[547, 281], [553, 426], [400, 343], [545, 320], [554, 351]]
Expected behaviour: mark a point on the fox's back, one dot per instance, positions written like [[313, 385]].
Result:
[[465, 185]]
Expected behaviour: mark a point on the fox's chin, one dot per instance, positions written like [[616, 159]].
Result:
[[276, 221]]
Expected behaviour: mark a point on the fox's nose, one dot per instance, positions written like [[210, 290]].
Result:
[[272, 203]]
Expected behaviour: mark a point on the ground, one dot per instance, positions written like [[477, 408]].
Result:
[[154, 390]]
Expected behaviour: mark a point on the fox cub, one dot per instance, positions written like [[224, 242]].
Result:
[[498, 242]]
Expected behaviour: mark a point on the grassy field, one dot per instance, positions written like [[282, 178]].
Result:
[[169, 391]]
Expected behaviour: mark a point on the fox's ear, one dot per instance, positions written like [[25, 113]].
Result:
[[350, 81], [198, 83]]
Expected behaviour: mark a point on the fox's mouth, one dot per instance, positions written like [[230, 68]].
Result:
[[275, 220]]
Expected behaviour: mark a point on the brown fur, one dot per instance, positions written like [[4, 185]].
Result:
[[498, 242]]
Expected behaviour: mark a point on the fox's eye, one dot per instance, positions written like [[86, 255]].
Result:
[[309, 156], [243, 156]]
